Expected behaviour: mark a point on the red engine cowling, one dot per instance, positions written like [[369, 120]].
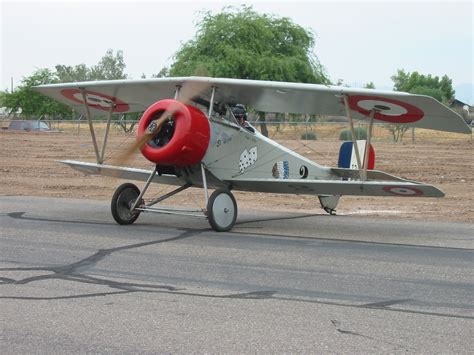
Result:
[[186, 144]]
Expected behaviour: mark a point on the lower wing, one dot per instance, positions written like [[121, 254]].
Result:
[[392, 186], [339, 187], [122, 172]]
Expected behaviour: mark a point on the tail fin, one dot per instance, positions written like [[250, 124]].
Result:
[[347, 155]]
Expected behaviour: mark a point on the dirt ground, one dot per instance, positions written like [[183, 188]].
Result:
[[29, 167]]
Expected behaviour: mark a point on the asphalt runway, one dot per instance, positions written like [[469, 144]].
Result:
[[72, 281]]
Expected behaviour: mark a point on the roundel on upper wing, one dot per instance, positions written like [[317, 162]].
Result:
[[96, 100], [386, 109]]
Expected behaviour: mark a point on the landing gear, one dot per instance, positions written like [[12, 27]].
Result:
[[222, 210], [122, 203]]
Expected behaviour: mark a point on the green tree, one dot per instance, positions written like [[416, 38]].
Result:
[[369, 85], [32, 103], [110, 67], [416, 83], [241, 43], [69, 74], [163, 73], [421, 84], [2, 98], [438, 94]]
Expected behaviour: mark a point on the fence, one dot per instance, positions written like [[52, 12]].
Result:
[[276, 130]]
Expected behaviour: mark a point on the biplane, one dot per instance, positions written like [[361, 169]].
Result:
[[190, 134]]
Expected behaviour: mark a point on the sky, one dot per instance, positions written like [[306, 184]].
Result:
[[356, 41]]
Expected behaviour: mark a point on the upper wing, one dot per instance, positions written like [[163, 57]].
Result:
[[269, 96], [392, 107], [126, 95]]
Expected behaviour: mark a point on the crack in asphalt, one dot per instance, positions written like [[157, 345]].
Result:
[[20, 215], [282, 218], [339, 240], [74, 271], [86, 295], [385, 304], [337, 326]]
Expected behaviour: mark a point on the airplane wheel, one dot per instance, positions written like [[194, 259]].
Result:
[[222, 210], [122, 202]]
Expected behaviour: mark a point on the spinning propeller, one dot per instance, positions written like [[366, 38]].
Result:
[[159, 117]]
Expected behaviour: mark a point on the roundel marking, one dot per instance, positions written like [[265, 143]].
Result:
[[96, 100], [403, 191], [387, 110]]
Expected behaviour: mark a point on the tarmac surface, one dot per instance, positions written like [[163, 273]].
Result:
[[72, 281]]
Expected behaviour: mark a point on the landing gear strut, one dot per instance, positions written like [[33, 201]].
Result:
[[221, 207]]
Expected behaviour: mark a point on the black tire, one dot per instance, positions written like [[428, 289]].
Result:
[[222, 210], [122, 201]]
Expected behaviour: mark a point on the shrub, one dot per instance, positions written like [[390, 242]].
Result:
[[345, 135], [309, 136], [397, 130]]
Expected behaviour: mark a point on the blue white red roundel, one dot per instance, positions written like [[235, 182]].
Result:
[[96, 100], [403, 191], [386, 109]]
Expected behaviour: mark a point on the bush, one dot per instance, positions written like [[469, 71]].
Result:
[[345, 135], [309, 136]]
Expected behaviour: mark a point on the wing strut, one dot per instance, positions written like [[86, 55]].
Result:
[[99, 155], [211, 103], [367, 142], [203, 170], [106, 134], [362, 167], [91, 125]]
